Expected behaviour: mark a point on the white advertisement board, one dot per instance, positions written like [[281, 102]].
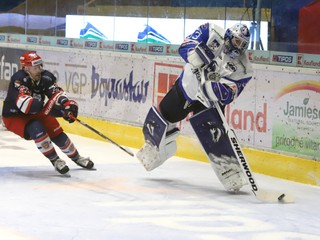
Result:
[[142, 29]]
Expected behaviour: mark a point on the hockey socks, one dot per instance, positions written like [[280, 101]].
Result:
[[68, 148]]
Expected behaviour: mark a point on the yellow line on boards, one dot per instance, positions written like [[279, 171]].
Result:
[[267, 163]]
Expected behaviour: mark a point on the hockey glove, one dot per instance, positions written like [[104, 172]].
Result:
[[208, 72], [200, 56], [70, 111], [53, 103], [204, 53]]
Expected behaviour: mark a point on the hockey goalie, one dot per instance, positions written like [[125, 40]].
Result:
[[217, 70]]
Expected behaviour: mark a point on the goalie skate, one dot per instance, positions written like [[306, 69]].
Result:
[[160, 142], [149, 156]]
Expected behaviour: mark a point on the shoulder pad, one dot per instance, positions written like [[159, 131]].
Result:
[[20, 75], [48, 76], [20, 78]]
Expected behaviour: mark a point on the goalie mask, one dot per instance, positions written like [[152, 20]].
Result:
[[236, 40]]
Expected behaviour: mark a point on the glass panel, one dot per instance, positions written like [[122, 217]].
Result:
[[13, 17], [41, 20], [167, 21], [65, 8]]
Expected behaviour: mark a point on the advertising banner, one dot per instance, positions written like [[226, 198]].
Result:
[[9, 64], [107, 87], [280, 111], [296, 115]]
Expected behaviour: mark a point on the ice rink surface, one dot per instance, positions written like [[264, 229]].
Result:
[[181, 200]]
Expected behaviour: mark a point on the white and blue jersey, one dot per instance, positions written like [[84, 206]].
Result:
[[231, 74]]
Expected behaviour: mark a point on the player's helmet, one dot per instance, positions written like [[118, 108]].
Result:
[[30, 59], [236, 39]]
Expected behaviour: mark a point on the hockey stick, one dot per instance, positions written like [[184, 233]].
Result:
[[262, 195], [127, 150]]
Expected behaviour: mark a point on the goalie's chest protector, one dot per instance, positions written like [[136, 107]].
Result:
[[188, 80]]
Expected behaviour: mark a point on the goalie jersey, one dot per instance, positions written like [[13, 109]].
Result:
[[228, 76]]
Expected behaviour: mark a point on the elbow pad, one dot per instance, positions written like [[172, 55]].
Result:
[[28, 105]]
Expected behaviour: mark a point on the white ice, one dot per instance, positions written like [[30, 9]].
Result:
[[181, 200]]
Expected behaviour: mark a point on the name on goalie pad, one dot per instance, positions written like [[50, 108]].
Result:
[[243, 162], [220, 150]]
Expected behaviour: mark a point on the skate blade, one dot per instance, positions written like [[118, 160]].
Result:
[[65, 175], [89, 169]]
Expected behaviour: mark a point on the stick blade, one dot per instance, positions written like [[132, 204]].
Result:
[[127, 150], [274, 197]]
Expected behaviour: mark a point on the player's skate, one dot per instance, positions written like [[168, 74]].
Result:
[[84, 162], [60, 166]]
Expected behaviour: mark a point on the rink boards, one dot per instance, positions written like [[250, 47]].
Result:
[[277, 113], [272, 164]]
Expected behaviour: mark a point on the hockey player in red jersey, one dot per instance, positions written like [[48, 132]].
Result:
[[217, 70], [33, 102]]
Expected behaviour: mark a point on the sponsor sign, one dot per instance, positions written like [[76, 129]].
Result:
[[15, 38], [280, 58], [122, 46], [164, 78], [143, 29], [156, 49], [106, 45], [172, 49], [91, 44], [308, 60], [139, 47], [9, 64], [76, 43], [296, 122], [259, 56], [99, 84], [62, 42], [31, 39], [3, 37], [47, 41]]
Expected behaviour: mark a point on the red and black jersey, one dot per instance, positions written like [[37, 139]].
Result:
[[27, 97]]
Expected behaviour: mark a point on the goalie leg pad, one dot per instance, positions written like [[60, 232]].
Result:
[[160, 143], [212, 135]]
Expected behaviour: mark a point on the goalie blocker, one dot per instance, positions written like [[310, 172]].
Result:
[[213, 137]]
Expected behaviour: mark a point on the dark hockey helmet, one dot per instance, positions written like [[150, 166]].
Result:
[[30, 59], [236, 39]]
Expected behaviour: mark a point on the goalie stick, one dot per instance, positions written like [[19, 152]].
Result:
[[262, 195]]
